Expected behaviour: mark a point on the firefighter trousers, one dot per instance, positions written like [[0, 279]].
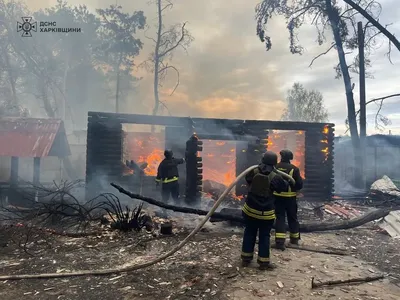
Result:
[[286, 207], [170, 189], [252, 227]]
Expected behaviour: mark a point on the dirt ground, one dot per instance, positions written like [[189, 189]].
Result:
[[206, 268]]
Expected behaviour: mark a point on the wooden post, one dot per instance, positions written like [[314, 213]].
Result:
[[363, 117], [36, 171]]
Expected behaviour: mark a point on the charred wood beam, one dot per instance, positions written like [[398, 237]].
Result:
[[225, 137], [237, 216], [184, 121]]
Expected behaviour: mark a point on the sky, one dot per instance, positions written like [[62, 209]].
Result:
[[227, 73]]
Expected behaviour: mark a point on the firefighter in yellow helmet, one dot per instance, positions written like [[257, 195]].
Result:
[[258, 210], [286, 203]]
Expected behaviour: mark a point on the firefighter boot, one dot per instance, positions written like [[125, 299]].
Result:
[[267, 267], [246, 263], [280, 244], [295, 239]]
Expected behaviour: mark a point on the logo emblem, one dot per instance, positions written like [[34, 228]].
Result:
[[26, 26]]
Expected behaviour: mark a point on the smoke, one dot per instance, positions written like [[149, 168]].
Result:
[[226, 72], [381, 153]]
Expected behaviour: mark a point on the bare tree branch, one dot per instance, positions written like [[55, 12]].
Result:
[[177, 43], [177, 74], [382, 29], [321, 54]]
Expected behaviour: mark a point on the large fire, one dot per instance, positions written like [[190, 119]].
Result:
[[147, 148], [292, 140], [219, 161], [219, 157]]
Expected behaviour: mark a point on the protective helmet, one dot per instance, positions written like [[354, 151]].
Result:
[[168, 154], [286, 155], [270, 158]]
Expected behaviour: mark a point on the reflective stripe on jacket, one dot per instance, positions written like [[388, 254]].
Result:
[[258, 214], [289, 192], [167, 180]]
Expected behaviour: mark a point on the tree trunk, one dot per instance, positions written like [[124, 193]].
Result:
[[48, 108], [65, 77], [157, 62], [118, 84], [334, 18], [11, 78], [363, 116]]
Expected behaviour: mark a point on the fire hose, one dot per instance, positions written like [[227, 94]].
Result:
[[152, 262]]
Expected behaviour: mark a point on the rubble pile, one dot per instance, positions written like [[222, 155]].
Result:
[[384, 192]]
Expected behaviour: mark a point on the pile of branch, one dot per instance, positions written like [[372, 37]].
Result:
[[235, 215], [381, 199], [56, 210]]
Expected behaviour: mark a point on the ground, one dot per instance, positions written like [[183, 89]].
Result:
[[206, 268]]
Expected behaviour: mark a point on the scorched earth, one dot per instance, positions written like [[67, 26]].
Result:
[[208, 267]]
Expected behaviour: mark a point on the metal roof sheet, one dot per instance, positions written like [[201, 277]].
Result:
[[28, 137], [391, 224]]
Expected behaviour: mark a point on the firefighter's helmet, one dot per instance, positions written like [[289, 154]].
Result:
[[286, 155], [270, 158], [168, 153]]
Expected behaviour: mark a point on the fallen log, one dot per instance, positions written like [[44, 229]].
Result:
[[315, 285], [235, 215]]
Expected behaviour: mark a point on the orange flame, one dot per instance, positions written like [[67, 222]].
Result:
[[324, 141], [292, 140], [146, 148], [219, 161]]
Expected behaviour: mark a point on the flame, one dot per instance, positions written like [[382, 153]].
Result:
[[324, 141], [147, 148], [293, 140], [219, 157], [153, 160], [219, 161]]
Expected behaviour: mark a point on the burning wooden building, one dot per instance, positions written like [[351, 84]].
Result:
[[220, 151]]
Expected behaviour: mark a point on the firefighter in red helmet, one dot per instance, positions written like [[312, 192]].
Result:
[[286, 203], [258, 210]]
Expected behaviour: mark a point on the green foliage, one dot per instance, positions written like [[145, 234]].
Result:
[[304, 105]]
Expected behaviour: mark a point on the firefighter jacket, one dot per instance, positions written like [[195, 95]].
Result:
[[168, 170], [260, 199], [293, 171]]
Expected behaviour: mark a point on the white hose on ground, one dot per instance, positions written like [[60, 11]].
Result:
[[147, 264]]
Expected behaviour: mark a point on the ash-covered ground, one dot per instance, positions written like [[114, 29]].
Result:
[[208, 267]]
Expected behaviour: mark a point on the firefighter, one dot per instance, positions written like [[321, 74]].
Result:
[[258, 211], [168, 176], [286, 203]]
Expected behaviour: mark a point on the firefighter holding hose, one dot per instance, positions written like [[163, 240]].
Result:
[[168, 176], [258, 211], [286, 203]]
